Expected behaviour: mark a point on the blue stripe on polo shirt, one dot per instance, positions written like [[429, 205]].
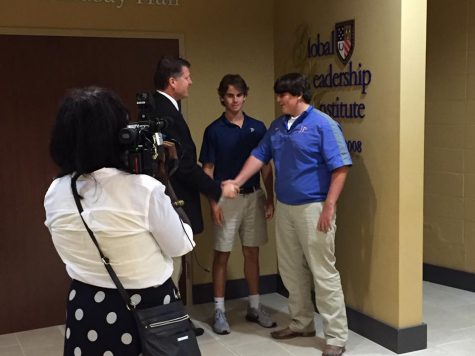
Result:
[[343, 157]]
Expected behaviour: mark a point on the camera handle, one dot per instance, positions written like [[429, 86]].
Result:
[[163, 175], [178, 204]]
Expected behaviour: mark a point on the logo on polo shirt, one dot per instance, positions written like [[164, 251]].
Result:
[[252, 129]]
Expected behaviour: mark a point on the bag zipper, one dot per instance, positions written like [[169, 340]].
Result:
[[167, 322]]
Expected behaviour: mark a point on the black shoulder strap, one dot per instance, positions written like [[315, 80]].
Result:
[[105, 260]]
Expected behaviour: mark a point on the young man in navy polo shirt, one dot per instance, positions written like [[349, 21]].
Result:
[[227, 143], [311, 161]]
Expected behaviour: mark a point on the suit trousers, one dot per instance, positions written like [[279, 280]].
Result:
[[306, 259]]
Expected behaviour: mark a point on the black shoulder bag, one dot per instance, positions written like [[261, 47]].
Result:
[[164, 330]]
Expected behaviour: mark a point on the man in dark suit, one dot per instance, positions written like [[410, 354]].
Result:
[[172, 80]]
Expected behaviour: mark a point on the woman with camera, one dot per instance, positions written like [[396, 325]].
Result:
[[130, 215]]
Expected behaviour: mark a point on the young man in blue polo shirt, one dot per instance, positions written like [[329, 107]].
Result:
[[311, 160], [227, 143]]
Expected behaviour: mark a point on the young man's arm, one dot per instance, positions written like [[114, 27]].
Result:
[[268, 179], [336, 186], [251, 167], [216, 211]]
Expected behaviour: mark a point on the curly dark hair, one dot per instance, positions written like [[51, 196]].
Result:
[[85, 134]]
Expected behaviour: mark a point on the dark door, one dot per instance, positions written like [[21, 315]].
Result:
[[35, 71]]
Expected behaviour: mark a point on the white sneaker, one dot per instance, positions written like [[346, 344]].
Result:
[[221, 325], [260, 316]]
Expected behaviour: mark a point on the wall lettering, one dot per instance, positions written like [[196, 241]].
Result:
[[341, 44], [119, 4], [348, 78]]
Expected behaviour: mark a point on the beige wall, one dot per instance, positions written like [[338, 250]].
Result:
[[379, 238], [411, 160], [218, 37], [380, 228], [449, 213]]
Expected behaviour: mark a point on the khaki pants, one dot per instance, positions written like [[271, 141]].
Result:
[[306, 257], [243, 216]]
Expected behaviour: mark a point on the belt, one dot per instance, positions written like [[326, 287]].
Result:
[[249, 190]]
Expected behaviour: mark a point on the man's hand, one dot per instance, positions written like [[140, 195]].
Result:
[[170, 150], [336, 186], [324, 222], [230, 189], [269, 208], [216, 213]]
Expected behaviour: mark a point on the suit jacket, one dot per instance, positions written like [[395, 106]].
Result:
[[189, 180]]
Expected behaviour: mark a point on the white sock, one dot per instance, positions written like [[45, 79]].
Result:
[[219, 304], [254, 301]]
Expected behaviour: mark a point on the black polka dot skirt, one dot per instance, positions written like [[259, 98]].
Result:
[[99, 324]]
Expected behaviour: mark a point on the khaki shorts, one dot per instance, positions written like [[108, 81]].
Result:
[[243, 215]]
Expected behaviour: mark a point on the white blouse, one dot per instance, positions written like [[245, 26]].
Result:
[[133, 221]]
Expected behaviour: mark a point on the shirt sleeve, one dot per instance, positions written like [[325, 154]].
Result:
[[334, 149], [174, 237], [263, 151], [207, 153], [262, 130]]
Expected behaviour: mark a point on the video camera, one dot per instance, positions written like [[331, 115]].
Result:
[[143, 139]]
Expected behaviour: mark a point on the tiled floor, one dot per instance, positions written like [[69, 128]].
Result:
[[448, 312]]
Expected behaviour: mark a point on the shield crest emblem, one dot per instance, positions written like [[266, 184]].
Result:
[[345, 40]]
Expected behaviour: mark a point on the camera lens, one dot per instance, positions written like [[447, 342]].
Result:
[[127, 136]]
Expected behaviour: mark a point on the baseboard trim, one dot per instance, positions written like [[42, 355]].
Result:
[[237, 288], [397, 340], [449, 277]]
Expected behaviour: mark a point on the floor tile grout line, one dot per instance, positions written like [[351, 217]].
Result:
[[19, 344], [360, 345], [283, 348]]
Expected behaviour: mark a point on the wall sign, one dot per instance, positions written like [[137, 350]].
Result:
[[345, 40], [341, 44], [344, 74]]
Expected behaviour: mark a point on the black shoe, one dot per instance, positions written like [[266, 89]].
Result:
[[196, 330]]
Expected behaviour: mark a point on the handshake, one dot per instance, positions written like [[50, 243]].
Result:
[[230, 188]]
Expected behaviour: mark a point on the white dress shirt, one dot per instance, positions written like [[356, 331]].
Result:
[[133, 221], [174, 102]]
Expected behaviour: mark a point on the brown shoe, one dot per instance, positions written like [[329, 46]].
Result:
[[332, 350], [289, 334]]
